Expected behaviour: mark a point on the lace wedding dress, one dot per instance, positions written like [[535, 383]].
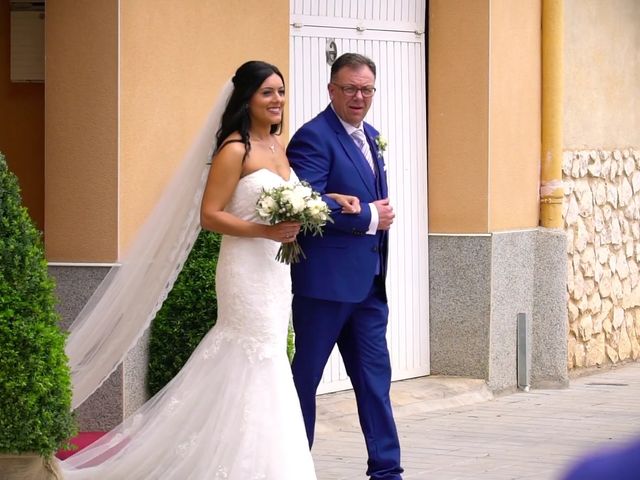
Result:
[[232, 412]]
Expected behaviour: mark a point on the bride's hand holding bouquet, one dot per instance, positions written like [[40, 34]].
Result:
[[292, 208]]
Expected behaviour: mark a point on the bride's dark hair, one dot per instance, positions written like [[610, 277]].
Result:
[[235, 118]]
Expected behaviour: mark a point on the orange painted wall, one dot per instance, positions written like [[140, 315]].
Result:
[[22, 127], [81, 130], [514, 114], [127, 92], [175, 57], [484, 115], [458, 116]]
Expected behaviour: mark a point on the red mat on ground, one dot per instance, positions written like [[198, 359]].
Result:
[[82, 440]]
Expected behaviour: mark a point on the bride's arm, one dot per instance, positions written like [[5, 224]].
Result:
[[349, 203], [224, 175]]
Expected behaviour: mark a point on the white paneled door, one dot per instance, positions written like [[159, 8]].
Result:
[[391, 33]]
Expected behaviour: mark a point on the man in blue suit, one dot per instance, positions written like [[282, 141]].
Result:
[[339, 289]]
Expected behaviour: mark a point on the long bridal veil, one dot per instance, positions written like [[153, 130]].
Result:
[[129, 297]]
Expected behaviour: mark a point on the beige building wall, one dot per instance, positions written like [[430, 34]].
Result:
[[22, 127], [514, 114], [174, 60], [601, 170], [484, 115], [129, 85], [458, 116], [602, 74], [81, 162]]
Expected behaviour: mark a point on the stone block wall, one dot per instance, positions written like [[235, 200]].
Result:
[[602, 220]]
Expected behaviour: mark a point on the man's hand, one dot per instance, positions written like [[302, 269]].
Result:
[[385, 214]]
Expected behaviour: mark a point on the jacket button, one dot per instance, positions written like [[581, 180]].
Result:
[[375, 249]]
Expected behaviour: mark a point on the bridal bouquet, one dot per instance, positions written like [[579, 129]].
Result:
[[295, 202]]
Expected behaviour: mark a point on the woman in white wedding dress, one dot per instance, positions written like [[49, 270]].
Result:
[[232, 412]]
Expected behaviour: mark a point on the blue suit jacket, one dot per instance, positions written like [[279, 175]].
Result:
[[620, 463], [340, 265]]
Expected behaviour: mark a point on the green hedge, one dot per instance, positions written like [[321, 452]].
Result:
[[187, 314], [35, 383]]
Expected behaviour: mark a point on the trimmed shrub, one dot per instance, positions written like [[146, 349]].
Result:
[[187, 314], [35, 383]]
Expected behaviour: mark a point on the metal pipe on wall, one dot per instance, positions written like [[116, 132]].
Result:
[[551, 190]]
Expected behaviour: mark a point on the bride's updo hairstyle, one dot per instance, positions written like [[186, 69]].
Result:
[[235, 118]]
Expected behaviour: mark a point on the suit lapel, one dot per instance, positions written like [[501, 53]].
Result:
[[378, 160], [352, 151]]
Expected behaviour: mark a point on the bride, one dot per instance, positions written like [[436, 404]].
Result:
[[232, 412]]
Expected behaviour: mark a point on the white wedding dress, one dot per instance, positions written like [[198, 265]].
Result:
[[232, 412]]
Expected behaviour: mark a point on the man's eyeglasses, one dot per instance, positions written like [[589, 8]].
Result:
[[350, 90]]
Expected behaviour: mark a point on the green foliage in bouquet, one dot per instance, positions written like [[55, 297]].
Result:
[[187, 314], [35, 383]]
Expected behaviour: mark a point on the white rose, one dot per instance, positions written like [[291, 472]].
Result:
[[316, 206], [266, 207], [294, 199], [301, 190]]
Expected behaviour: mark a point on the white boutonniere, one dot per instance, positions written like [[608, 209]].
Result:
[[381, 143]]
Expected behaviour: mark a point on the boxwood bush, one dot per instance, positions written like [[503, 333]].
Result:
[[35, 383]]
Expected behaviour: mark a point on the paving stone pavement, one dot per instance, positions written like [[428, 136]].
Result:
[[453, 429]]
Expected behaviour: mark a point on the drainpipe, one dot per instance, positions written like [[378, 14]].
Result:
[[551, 191]]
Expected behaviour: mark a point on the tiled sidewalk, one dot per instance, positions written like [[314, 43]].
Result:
[[451, 428]]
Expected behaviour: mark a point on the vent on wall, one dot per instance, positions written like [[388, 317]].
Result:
[[27, 41]]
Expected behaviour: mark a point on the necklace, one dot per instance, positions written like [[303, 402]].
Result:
[[271, 146]]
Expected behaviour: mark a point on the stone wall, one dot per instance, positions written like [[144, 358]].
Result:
[[602, 219]]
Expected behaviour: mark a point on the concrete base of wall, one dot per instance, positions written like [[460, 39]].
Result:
[[549, 346], [478, 286], [124, 391]]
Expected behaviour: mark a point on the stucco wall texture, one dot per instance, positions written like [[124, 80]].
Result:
[[484, 115], [601, 72], [81, 131], [174, 59], [118, 127]]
